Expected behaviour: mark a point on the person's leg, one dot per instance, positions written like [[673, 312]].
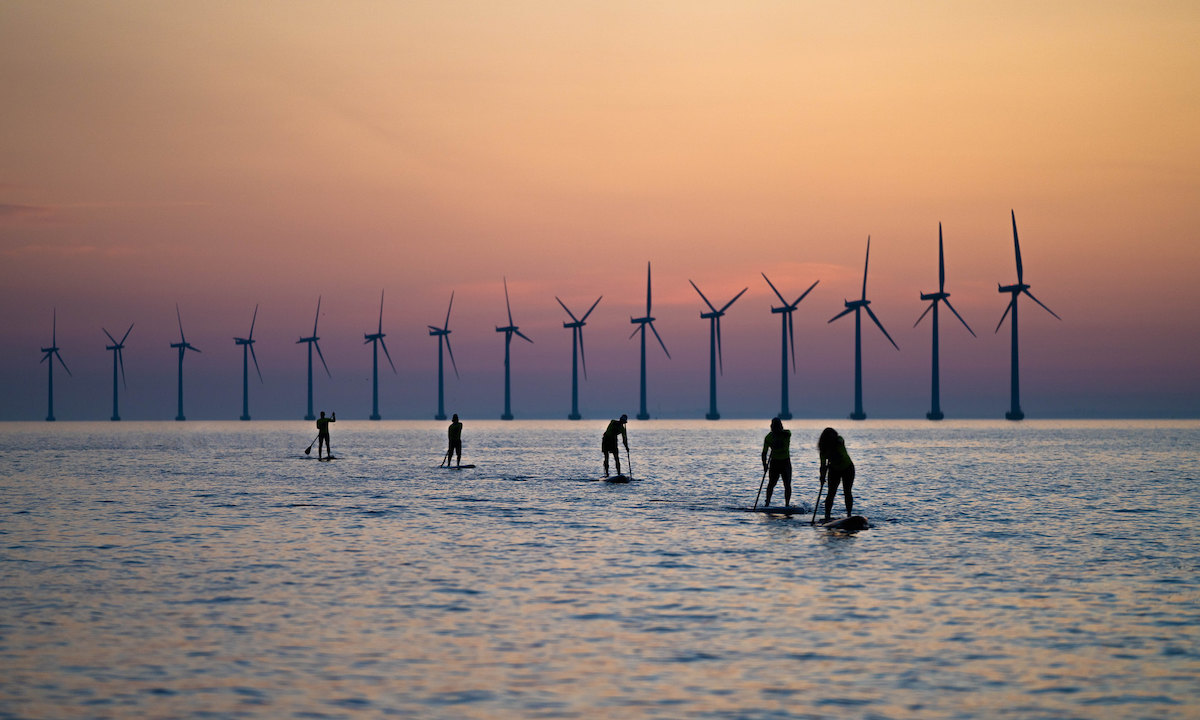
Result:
[[773, 475], [617, 459], [846, 494], [605, 451], [458, 453], [786, 476], [834, 480]]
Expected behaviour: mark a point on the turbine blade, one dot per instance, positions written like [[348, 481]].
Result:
[[507, 306], [380, 331], [121, 362], [564, 307], [126, 334], [451, 351], [317, 345], [582, 354], [660, 340], [960, 317], [640, 328], [866, 264], [720, 357], [1039, 302], [252, 321], [434, 330], [805, 294], [189, 346], [777, 294], [647, 289], [521, 334], [110, 337], [735, 297], [1017, 248], [54, 328], [706, 302], [255, 359], [941, 262], [61, 362], [1006, 309], [792, 338], [388, 355], [844, 312], [448, 309], [593, 307], [182, 339], [927, 309], [318, 316], [885, 332]]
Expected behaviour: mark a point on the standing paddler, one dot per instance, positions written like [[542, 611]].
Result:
[[608, 443], [777, 459]]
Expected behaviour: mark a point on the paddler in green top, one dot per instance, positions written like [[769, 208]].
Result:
[[323, 434], [608, 443], [836, 464], [776, 452], [455, 435]]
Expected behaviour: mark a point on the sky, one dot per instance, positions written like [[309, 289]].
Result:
[[220, 156]]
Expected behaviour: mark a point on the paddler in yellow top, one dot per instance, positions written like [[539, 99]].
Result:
[[608, 443], [776, 452], [836, 464]]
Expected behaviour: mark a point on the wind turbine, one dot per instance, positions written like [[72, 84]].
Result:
[[935, 412], [508, 331], [642, 323], [443, 333], [118, 359], [576, 326], [787, 338], [51, 354], [247, 344], [312, 342], [377, 340], [857, 306], [714, 348], [183, 346], [1016, 290]]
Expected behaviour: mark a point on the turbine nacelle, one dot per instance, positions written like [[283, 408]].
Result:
[[935, 296], [1019, 287]]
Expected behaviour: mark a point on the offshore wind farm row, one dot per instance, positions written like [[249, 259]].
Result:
[[442, 332]]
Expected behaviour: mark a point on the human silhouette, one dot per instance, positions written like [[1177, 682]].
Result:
[[777, 456], [837, 467], [455, 436], [608, 443], [323, 434]]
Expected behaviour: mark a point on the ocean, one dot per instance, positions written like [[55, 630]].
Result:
[[1043, 569]]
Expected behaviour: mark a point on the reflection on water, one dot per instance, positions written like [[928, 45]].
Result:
[[1042, 570]]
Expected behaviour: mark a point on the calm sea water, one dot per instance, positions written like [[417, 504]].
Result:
[[1023, 570]]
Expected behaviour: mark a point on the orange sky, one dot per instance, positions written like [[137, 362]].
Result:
[[220, 155]]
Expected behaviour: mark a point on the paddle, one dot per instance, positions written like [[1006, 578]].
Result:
[[629, 461], [308, 450], [447, 458], [817, 503], [760, 486]]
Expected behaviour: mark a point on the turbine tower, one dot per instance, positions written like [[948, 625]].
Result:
[[51, 354], [183, 346], [118, 359], [508, 331], [577, 353], [642, 323], [857, 306], [247, 344], [714, 348], [312, 342], [935, 412], [377, 339], [443, 334], [788, 337], [1015, 290]]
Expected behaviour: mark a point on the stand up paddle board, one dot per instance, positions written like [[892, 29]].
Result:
[[333, 457], [616, 479], [780, 509], [854, 523], [456, 467]]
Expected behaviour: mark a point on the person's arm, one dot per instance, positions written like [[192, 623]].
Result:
[[766, 449]]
